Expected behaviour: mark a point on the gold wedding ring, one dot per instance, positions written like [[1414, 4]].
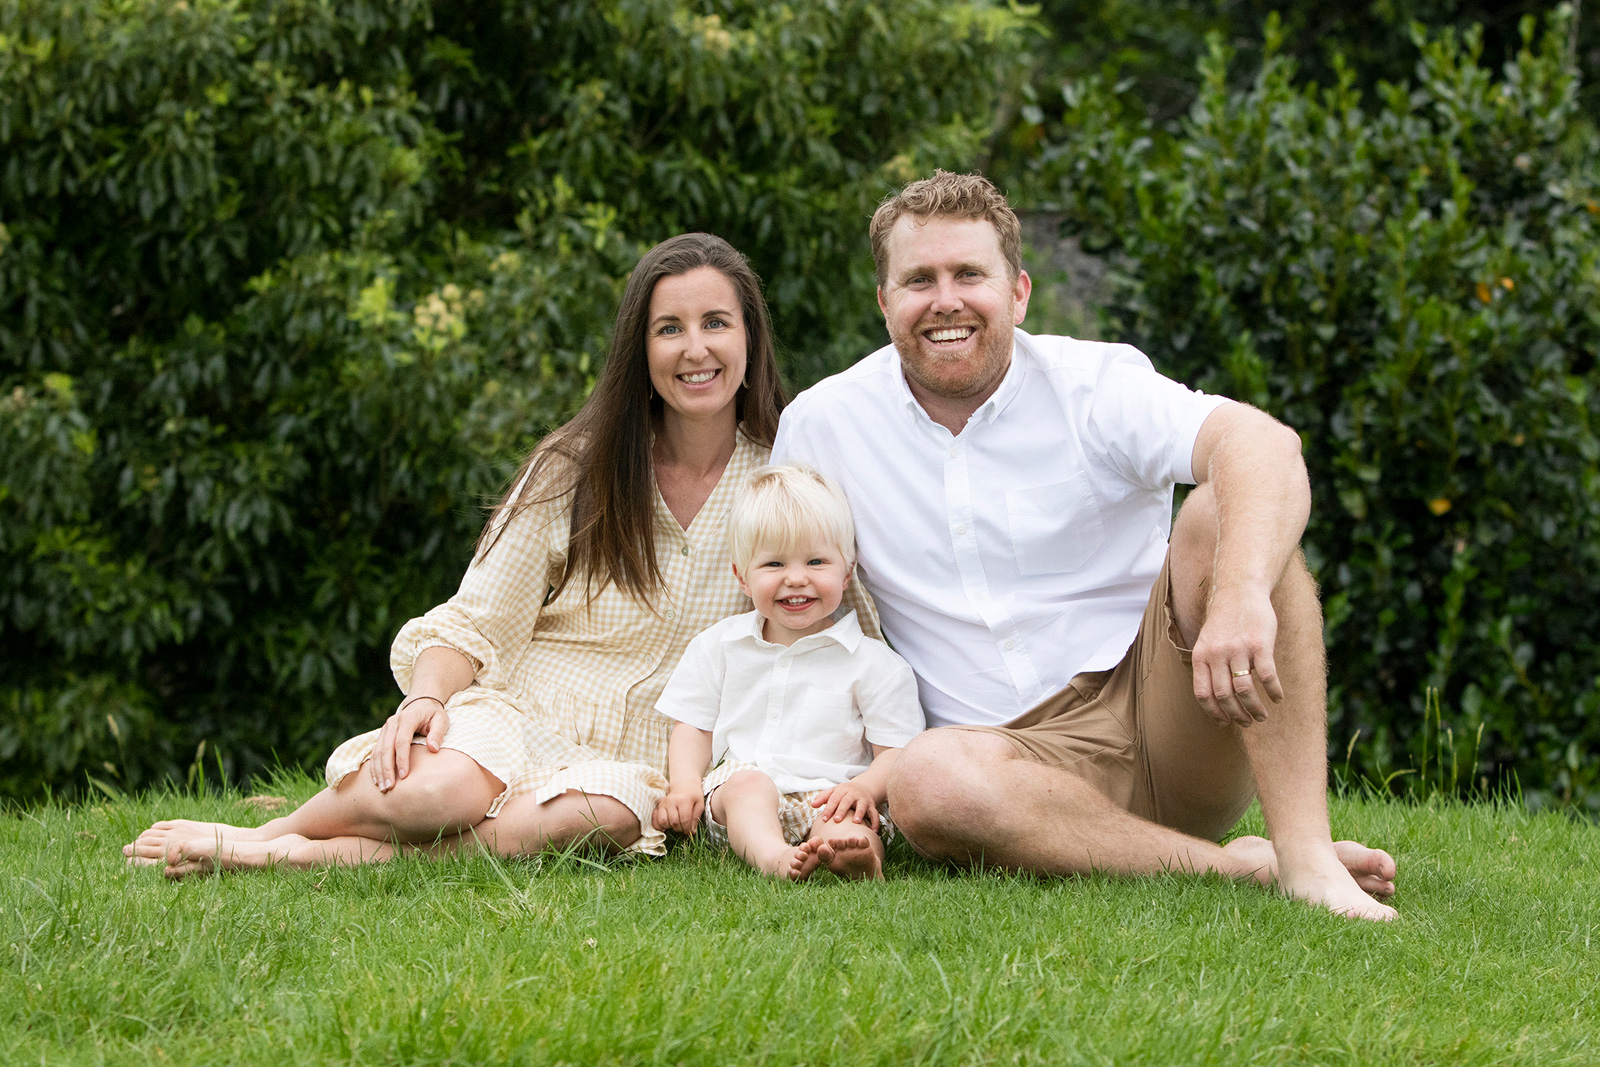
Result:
[[1241, 674]]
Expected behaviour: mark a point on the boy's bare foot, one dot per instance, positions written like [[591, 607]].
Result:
[[803, 862], [149, 849], [785, 862], [1341, 886], [849, 856]]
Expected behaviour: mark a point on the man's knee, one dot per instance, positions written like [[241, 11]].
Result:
[[942, 788]]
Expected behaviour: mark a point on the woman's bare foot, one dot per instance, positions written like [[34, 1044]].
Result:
[[848, 856], [206, 855], [1350, 887], [149, 849]]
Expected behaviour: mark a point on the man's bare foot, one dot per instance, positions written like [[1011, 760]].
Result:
[[1333, 888], [1373, 869], [149, 849], [848, 857], [1342, 888]]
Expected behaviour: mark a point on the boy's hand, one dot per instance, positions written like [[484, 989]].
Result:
[[847, 801], [680, 809]]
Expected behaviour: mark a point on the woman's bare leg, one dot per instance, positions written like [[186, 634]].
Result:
[[523, 827], [445, 792]]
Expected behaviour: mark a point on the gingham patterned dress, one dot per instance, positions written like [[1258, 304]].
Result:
[[564, 694]]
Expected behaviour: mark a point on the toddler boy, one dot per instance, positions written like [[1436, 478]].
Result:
[[806, 714]]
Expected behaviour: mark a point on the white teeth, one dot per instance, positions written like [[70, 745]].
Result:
[[698, 377], [796, 601], [953, 333]]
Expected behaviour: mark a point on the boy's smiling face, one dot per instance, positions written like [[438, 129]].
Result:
[[796, 589]]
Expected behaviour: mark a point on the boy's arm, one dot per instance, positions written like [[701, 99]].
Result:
[[859, 798], [688, 756]]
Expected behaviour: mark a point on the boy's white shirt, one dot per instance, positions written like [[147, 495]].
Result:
[[803, 714]]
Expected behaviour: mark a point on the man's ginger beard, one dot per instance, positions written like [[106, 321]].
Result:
[[983, 372]]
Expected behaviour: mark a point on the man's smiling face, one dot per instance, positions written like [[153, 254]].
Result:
[[950, 304]]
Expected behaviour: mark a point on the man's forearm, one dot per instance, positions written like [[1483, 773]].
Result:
[[1263, 495]]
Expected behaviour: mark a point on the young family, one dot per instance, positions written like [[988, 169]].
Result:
[[1106, 688]]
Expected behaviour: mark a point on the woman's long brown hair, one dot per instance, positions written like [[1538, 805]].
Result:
[[602, 457]]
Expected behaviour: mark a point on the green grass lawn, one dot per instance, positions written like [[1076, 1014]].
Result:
[[695, 959]]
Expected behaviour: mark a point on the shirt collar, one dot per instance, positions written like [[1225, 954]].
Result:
[[846, 632], [989, 410], [1011, 384]]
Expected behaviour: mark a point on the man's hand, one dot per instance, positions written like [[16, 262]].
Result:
[[680, 809], [847, 800], [391, 758], [1233, 666]]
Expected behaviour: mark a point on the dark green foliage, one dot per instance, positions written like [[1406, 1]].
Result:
[[1413, 282], [288, 287], [1155, 44]]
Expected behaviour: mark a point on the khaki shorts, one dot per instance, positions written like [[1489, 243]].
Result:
[[1137, 734]]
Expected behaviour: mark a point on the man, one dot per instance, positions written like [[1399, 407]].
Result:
[[1013, 500]]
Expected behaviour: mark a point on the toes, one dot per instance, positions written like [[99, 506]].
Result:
[[1378, 888], [179, 871]]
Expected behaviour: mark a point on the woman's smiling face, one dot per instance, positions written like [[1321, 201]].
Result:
[[695, 344]]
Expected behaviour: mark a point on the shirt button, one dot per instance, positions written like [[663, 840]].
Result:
[[1010, 644], [671, 614], [685, 550], [954, 452], [961, 527]]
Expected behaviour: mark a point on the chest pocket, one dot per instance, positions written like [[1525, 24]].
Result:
[[1054, 528], [822, 726]]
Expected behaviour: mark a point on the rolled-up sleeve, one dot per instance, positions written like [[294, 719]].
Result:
[[500, 597]]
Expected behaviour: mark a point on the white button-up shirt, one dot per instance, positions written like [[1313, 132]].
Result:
[[805, 714], [1009, 557]]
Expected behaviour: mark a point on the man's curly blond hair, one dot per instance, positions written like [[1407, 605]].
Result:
[[948, 196]]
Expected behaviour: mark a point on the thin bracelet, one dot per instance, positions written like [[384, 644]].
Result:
[[411, 700]]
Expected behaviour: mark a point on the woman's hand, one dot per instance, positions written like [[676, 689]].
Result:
[[391, 757], [680, 809], [847, 800]]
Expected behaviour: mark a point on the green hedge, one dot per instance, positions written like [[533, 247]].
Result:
[[1413, 282], [288, 286]]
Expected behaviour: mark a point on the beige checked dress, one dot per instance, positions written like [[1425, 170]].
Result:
[[564, 694]]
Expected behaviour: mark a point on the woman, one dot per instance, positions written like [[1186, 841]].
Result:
[[529, 715]]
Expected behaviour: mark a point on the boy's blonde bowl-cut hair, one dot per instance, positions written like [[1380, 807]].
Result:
[[784, 507]]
